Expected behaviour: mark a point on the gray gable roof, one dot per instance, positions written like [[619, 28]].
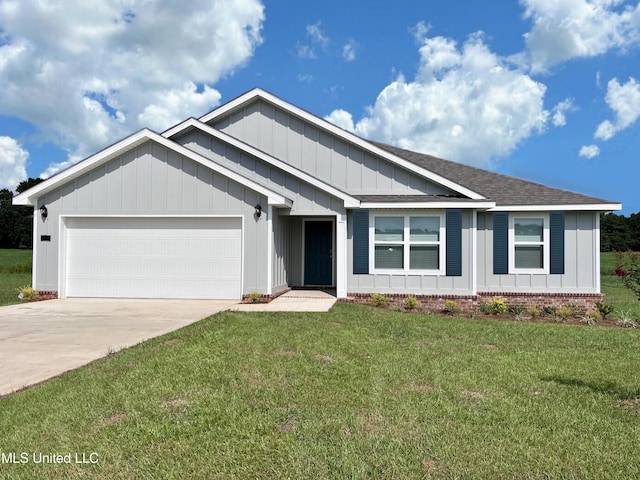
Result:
[[502, 189]]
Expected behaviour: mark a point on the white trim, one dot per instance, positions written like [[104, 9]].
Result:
[[545, 244], [322, 124], [341, 256], [349, 201], [597, 254], [333, 246], [406, 243], [30, 196], [605, 207], [269, 250], [34, 255], [62, 241], [474, 253], [427, 205]]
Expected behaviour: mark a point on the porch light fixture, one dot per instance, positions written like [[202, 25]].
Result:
[[258, 208], [44, 213]]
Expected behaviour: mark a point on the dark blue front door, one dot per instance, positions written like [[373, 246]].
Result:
[[317, 253]]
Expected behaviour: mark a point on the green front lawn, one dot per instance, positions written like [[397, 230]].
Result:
[[613, 287], [359, 392], [15, 272]]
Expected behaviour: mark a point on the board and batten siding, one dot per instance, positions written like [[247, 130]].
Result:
[[321, 154], [580, 260], [307, 199], [416, 284], [152, 180]]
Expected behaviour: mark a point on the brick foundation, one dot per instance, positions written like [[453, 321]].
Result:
[[263, 298], [471, 303], [46, 295]]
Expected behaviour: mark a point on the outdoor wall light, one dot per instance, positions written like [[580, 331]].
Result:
[[258, 208], [44, 212]]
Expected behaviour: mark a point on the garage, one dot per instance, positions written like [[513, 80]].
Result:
[[153, 257]]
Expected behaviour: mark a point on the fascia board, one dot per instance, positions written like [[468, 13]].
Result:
[[604, 207], [428, 205], [345, 135], [349, 201]]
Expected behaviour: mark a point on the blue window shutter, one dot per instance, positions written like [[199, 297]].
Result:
[[361, 242], [454, 243], [556, 240], [500, 243]]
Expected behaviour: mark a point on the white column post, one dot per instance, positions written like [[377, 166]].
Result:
[[341, 255]]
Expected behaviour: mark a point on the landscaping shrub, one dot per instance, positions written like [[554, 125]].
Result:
[[495, 306], [411, 303], [604, 309], [452, 307], [534, 311], [379, 300], [27, 294]]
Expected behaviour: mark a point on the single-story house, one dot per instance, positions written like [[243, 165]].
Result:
[[261, 196]]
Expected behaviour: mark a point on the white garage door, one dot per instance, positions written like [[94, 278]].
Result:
[[154, 257]]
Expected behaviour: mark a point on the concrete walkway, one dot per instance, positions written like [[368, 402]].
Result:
[[41, 340], [292, 301]]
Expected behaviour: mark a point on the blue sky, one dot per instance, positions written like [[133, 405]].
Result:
[[546, 91]]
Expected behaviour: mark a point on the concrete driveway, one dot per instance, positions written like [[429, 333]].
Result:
[[40, 340]]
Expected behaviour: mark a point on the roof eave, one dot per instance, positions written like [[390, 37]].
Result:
[[591, 207], [428, 205]]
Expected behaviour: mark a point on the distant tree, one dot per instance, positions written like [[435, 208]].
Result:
[[16, 221], [615, 233], [27, 184], [634, 227]]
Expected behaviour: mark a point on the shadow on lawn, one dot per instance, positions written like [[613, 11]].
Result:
[[607, 388]]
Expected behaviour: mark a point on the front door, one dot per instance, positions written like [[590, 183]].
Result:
[[318, 244]]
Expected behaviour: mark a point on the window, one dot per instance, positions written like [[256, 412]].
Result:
[[410, 243], [529, 243]]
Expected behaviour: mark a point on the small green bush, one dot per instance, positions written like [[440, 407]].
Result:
[[605, 309], [495, 306], [515, 309], [254, 297], [27, 293], [591, 317], [534, 311], [452, 307], [379, 300], [564, 312], [550, 310], [411, 303]]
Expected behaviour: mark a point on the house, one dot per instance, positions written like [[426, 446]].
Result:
[[261, 196]]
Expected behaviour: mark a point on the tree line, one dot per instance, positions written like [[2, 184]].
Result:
[[16, 221], [619, 233]]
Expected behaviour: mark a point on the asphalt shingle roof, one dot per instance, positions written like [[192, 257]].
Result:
[[502, 189]]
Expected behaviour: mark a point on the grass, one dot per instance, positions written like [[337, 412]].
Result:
[[15, 272], [359, 392]]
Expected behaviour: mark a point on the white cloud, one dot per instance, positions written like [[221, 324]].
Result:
[[317, 36], [624, 100], [559, 117], [464, 104], [349, 51], [88, 73], [317, 39], [589, 151], [13, 163], [342, 119], [566, 29]]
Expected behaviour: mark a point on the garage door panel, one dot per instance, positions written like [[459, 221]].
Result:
[[154, 257]]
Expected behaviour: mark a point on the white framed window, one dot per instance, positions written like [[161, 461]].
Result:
[[407, 242], [529, 243]]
